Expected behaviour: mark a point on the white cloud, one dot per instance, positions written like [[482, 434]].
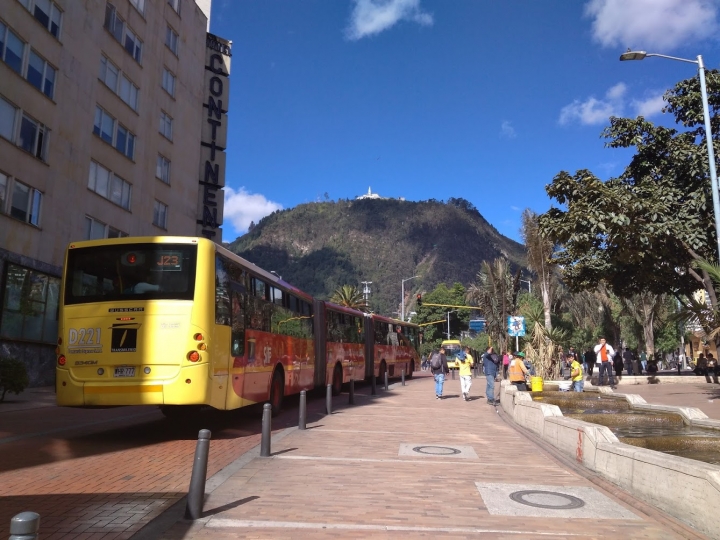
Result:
[[652, 24], [373, 16], [650, 106], [594, 111], [515, 208], [242, 207], [506, 130]]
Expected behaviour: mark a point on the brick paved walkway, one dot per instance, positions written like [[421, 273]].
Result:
[[365, 472]]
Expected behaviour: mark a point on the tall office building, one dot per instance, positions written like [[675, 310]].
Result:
[[109, 111]]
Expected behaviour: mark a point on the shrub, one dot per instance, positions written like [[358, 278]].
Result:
[[13, 376]]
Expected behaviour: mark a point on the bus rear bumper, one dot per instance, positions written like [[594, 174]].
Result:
[[189, 387]]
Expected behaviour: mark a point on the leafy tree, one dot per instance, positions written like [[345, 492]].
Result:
[[495, 292], [13, 376], [349, 296], [636, 231], [459, 319]]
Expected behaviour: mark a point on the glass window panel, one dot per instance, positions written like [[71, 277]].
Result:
[[42, 12], [7, 119], [98, 121], [97, 230], [36, 65], [111, 76], [118, 27], [28, 132], [106, 132], [3, 28], [102, 180], [3, 191], [35, 208], [55, 19], [116, 190], [121, 139], [126, 191], [20, 201], [91, 176], [125, 89], [133, 96], [40, 148], [14, 51], [130, 152], [49, 86]]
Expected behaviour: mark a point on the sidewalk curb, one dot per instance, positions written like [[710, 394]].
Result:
[[162, 523]]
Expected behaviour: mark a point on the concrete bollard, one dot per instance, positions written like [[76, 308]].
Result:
[[25, 526], [386, 380], [266, 430], [373, 386], [351, 398], [402, 377], [196, 492], [303, 410], [328, 399]]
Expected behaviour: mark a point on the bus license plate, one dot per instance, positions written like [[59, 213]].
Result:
[[125, 371]]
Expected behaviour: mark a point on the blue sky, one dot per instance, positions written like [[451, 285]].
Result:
[[481, 99]]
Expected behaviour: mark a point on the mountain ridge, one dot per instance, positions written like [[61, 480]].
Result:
[[321, 246]]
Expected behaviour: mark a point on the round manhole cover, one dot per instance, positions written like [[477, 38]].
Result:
[[547, 499], [436, 450]]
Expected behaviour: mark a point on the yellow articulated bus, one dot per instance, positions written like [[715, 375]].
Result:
[[452, 348], [179, 321]]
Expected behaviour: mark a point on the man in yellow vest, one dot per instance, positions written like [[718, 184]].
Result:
[[576, 373], [517, 372]]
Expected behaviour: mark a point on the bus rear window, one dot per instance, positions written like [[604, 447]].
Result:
[[130, 272]]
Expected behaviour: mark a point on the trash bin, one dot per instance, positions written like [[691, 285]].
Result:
[[536, 384]]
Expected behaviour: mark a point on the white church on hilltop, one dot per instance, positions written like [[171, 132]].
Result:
[[371, 195]]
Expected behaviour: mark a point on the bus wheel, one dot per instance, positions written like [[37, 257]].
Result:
[[277, 392], [337, 380], [412, 370]]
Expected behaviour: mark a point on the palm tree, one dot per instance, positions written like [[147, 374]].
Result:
[[539, 250], [646, 309], [349, 296], [496, 293]]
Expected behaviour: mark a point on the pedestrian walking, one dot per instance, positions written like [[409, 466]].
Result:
[[465, 372], [604, 354], [490, 367], [506, 363], [517, 371], [590, 361], [439, 368], [628, 358], [643, 361], [618, 364], [423, 363], [576, 374]]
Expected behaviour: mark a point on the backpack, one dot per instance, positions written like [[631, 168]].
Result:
[[495, 359], [436, 361]]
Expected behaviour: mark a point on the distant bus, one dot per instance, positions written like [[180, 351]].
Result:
[[176, 321], [452, 348]]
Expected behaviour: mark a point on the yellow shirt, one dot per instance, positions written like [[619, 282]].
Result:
[[466, 367], [576, 365]]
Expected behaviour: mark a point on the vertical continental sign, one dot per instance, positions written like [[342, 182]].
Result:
[[213, 139]]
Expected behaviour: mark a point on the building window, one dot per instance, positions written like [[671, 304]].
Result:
[[12, 48], [175, 4], [109, 185], [30, 305], [122, 33], [163, 169], [160, 215], [41, 74], [171, 40], [114, 133], [47, 13], [166, 124], [25, 203], [95, 230], [168, 82], [33, 137], [118, 82], [8, 114], [139, 5], [3, 192]]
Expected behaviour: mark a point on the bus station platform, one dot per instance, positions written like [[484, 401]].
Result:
[[403, 464]]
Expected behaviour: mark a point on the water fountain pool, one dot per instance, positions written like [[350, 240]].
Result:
[[661, 431]]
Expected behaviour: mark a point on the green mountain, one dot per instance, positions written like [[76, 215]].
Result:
[[319, 247]]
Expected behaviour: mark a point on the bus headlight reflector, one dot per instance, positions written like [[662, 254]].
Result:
[[147, 371], [101, 371]]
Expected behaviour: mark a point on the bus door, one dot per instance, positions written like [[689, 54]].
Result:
[[235, 360]]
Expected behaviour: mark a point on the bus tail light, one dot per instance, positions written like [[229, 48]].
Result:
[[193, 356], [59, 341], [61, 360], [198, 337], [202, 346]]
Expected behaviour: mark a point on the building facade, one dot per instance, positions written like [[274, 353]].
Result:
[[101, 119]]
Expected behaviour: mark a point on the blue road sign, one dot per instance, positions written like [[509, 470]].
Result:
[[516, 326]]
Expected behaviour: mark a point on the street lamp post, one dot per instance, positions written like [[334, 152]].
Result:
[[448, 321], [402, 285], [639, 55]]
